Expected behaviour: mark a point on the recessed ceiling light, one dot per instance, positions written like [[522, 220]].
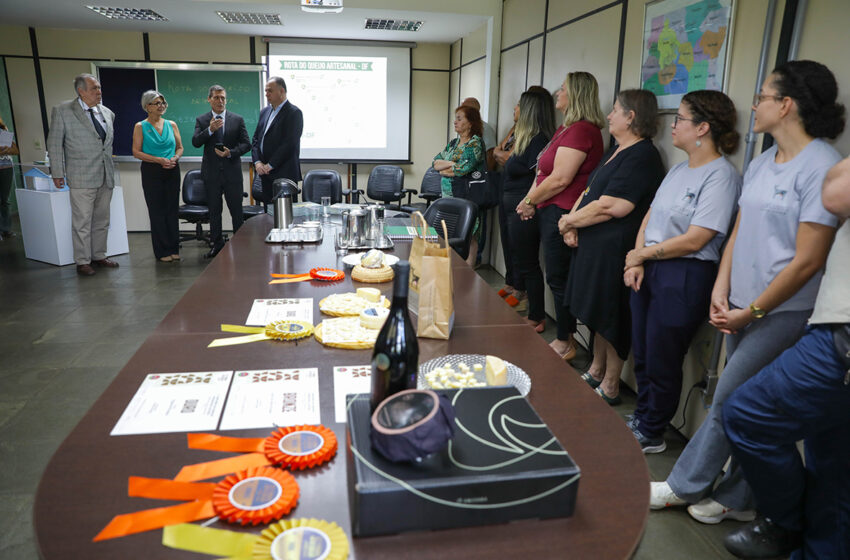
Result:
[[250, 18], [393, 24], [138, 14]]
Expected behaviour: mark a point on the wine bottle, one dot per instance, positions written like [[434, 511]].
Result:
[[395, 361]]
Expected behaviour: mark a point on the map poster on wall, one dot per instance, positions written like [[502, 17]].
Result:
[[685, 47]]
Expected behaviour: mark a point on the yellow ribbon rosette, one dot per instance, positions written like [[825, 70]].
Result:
[[293, 539]]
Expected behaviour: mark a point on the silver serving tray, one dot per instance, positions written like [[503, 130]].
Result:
[[295, 234], [516, 376], [387, 243]]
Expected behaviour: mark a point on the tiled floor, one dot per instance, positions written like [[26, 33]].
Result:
[[63, 339]]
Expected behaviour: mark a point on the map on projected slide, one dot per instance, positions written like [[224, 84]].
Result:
[[343, 99], [685, 43]]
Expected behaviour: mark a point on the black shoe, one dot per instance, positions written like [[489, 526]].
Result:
[[213, 252], [762, 538]]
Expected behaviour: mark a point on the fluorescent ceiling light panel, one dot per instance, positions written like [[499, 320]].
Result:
[[250, 18], [137, 14], [393, 24]]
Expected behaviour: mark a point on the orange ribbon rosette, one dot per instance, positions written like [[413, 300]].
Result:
[[318, 273], [250, 497], [293, 447]]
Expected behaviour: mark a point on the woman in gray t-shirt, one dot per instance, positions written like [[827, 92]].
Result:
[[672, 268], [768, 276]]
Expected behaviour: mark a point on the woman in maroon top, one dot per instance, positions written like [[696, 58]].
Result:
[[562, 170]]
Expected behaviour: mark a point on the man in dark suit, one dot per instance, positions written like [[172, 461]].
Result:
[[276, 148], [224, 138]]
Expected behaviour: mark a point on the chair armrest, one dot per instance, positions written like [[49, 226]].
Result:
[[353, 193], [409, 192], [430, 197]]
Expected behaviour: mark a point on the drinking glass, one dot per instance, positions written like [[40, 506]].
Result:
[[342, 242], [326, 208]]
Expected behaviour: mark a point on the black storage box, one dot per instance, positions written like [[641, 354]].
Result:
[[502, 464]]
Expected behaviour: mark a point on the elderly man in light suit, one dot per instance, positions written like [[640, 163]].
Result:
[[80, 147]]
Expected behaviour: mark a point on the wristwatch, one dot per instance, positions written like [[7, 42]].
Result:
[[528, 200], [757, 311]]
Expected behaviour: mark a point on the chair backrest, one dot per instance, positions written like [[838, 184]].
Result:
[[321, 182], [459, 214], [431, 183], [194, 191], [385, 183]]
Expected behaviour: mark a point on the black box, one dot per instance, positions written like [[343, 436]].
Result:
[[502, 464]]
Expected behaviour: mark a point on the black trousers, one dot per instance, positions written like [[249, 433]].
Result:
[[232, 192], [525, 254], [667, 311], [162, 196], [557, 257], [512, 277]]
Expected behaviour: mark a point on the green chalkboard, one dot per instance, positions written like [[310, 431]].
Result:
[[186, 92]]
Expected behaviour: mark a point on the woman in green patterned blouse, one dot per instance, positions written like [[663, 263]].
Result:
[[462, 156]]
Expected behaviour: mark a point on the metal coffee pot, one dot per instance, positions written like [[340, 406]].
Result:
[[285, 191]]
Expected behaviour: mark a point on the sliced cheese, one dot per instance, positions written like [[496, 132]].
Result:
[[374, 317], [369, 294], [496, 370]]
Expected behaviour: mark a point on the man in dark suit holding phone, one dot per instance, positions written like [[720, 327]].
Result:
[[276, 147], [224, 138]]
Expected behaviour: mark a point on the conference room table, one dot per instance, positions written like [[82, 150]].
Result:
[[85, 483]]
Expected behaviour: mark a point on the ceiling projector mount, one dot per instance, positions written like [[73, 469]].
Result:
[[322, 6]]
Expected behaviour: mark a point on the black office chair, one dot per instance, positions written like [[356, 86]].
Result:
[[430, 190], [195, 209], [460, 216], [257, 194], [386, 184], [322, 182]]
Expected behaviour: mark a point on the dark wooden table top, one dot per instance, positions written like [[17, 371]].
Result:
[[85, 483]]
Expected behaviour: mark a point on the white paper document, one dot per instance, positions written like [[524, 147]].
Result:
[[349, 380], [42, 183], [265, 311], [175, 402], [6, 138], [272, 397]]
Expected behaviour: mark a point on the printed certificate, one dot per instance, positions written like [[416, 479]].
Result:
[[272, 397], [175, 402]]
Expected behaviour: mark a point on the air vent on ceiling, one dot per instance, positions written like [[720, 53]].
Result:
[[393, 24], [138, 14], [251, 18]]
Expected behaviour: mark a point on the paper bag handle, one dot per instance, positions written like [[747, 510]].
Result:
[[418, 221]]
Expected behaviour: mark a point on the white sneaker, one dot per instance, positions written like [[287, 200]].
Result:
[[712, 512], [661, 496]]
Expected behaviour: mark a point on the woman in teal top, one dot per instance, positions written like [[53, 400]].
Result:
[[462, 156], [156, 141]]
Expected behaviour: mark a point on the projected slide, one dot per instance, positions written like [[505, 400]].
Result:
[[355, 98], [344, 99]]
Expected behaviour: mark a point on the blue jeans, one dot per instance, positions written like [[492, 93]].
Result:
[[801, 395], [701, 462]]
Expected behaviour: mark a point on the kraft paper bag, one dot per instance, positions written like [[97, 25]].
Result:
[[430, 296]]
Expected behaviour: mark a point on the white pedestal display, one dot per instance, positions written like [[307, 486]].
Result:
[[46, 225]]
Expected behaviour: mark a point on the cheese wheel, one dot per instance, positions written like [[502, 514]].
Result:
[[496, 370], [370, 294], [374, 317]]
